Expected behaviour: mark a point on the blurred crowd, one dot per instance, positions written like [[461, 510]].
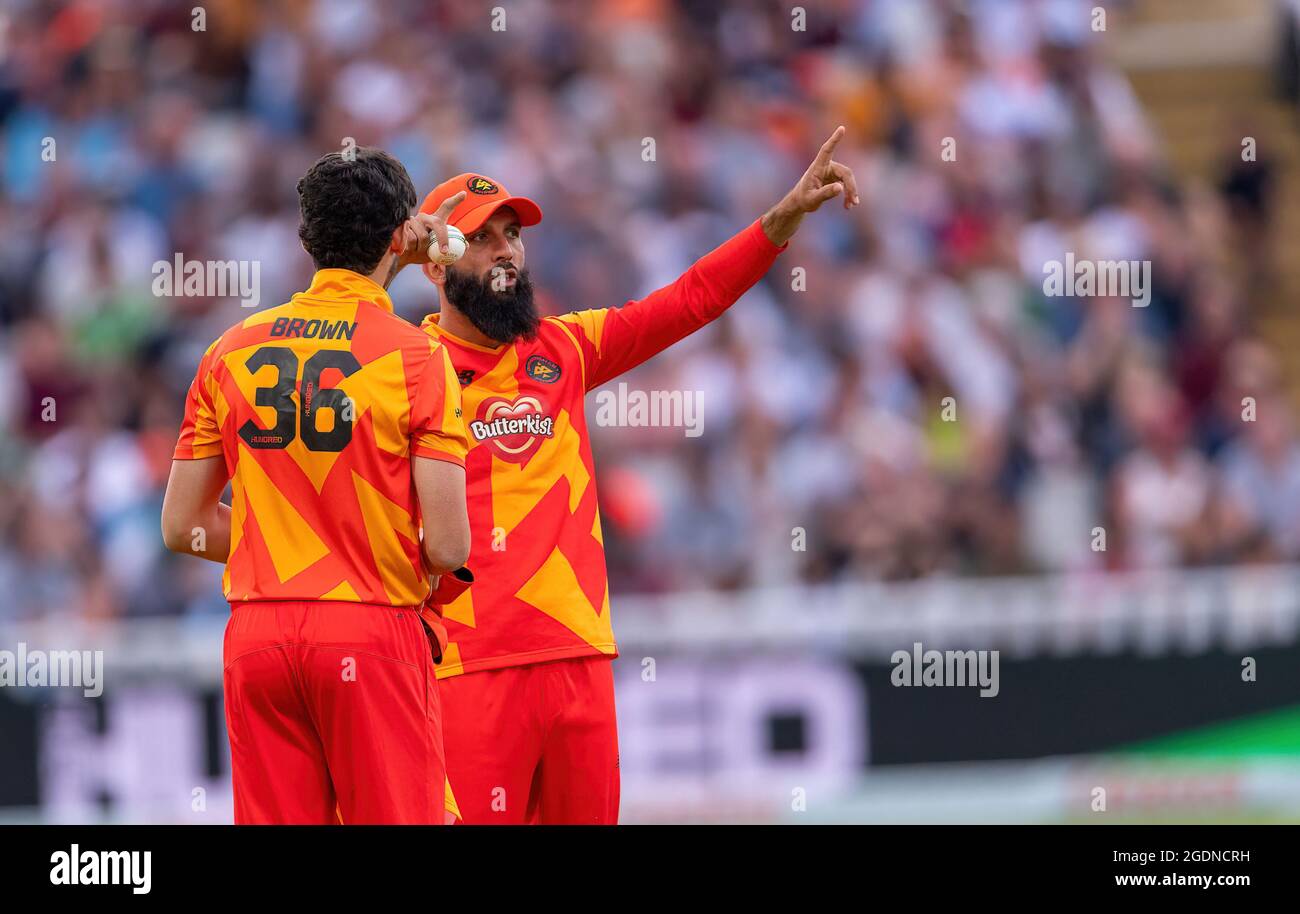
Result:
[[899, 397]]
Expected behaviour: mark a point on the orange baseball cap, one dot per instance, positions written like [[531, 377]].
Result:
[[483, 197]]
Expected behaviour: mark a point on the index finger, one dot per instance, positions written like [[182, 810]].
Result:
[[443, 212], [824, 154]]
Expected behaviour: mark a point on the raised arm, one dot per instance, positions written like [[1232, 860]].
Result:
[[615, 340]]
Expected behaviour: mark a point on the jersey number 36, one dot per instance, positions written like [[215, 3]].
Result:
[[280, 396]]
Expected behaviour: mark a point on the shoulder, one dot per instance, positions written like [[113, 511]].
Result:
[[578, 326], [247, 332], [386, 321], [397, 332], [252, 328]]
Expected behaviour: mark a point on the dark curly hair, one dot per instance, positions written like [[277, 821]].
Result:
[[351, 208]]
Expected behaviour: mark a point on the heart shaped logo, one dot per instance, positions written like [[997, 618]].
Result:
[[514, 427]]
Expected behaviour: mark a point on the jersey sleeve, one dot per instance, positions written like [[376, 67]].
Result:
[[200, 435], [614, 340], [437, 426]]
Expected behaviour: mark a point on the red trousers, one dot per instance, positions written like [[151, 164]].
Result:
[[534, 744], [332, 711]]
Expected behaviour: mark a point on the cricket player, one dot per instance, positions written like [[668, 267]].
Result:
[[526, 681], [338, 426]]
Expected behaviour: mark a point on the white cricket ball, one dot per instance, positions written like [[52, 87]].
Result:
[[455, 247]]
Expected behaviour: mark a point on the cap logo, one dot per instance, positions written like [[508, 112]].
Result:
[[479, 185]]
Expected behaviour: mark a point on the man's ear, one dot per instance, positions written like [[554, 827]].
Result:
[[397, 244], [436, 273]]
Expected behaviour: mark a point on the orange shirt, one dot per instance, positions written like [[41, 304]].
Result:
[[317, 407], [540, 591]]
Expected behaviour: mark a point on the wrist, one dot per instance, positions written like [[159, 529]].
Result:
[[779, 222]]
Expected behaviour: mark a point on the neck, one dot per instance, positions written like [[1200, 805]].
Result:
[[458, 325], [384, 273]]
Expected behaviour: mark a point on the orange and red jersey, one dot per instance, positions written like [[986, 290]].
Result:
[[540, 590], [317, 407]]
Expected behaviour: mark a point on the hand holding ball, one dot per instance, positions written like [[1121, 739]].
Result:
[[455, 247]]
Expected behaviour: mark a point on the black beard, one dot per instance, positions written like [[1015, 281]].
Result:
[[504, 316]]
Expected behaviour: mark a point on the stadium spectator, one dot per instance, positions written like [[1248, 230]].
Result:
[[824, 395]]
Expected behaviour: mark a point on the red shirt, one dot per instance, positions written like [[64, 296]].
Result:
[[537, 553]]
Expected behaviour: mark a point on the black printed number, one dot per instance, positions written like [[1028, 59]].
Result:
[[337, 438], [280, 396]]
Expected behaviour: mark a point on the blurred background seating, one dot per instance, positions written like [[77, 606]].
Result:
[[821, 406]]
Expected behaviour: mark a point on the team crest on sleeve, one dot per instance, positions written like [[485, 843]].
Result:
[[540, 368]]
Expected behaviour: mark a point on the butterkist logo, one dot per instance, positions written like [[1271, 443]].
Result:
[[513, 428], [499, 428]]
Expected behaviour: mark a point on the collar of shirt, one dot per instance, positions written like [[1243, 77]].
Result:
[[335, 284], [431, 325]]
